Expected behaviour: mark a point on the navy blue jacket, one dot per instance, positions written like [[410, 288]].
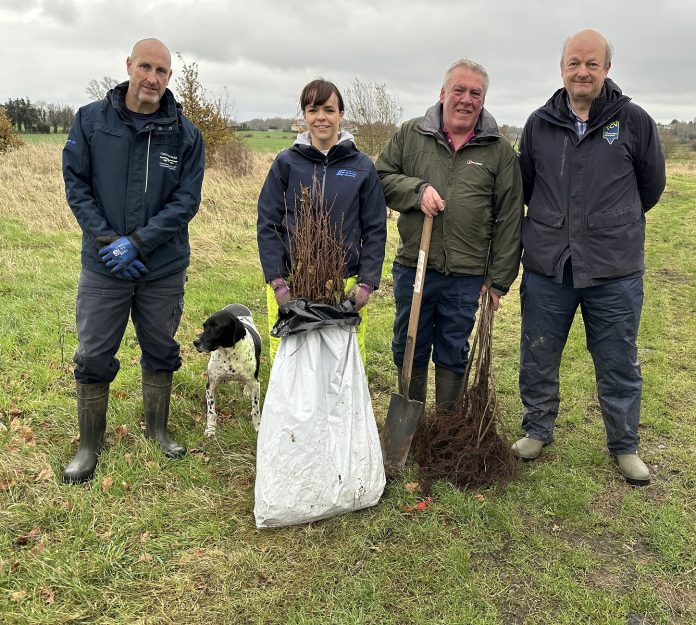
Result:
[[587, 196], [353, 194], [145, 185]]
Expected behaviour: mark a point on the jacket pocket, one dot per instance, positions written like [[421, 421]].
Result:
[[545, 216], [115, 132], [613, 218]]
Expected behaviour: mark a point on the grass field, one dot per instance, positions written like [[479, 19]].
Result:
[[257, 140], [153, 541]]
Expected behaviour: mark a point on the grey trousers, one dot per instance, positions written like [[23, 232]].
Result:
[[104, 304]]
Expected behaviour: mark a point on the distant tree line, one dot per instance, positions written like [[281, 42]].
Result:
[[38, 117], [283, 124]]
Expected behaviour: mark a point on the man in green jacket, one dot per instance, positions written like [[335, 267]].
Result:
[[452, 166]]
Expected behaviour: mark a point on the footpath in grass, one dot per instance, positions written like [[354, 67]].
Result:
[[155, 541]]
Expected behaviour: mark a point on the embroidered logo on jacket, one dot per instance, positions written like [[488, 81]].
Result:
[[470, 162], [611, 132], [168, 161], [351, 173]]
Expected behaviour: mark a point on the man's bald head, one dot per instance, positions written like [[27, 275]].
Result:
[[149, 69], [589, 38]]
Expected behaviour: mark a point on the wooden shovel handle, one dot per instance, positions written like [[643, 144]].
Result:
[[416, 305]]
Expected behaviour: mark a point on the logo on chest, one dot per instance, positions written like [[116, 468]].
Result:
[[350, 173], [168, 161], [610, 132]]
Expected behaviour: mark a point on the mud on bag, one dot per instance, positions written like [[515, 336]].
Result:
[[318, 450]]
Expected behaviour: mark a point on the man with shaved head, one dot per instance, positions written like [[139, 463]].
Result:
[[592, 166], [133, 170]]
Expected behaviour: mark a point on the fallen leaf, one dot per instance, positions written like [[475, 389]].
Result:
[[412, 487], [121, 432], [555, 529], [15, 424], [14, 411], [125, 486], [27, 435], [146, 557], [47, 594], [479, 497], [144, 537], [128, 457], [107, 483], [7, 484], [19, 595], [45, 475], [37, 550], [75, 439], [33, 535], [420, 506]]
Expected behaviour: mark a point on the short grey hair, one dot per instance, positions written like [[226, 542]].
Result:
[[470, 65], [608, 51]]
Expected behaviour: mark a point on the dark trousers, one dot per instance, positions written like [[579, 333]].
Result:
[[105, 303], [611, 313], [447, 316]]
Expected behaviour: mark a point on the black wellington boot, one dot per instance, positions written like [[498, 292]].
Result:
[[448, 386], [157, 390], [92, 402], [418, 389]]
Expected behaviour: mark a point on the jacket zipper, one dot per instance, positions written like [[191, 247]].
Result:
[[147, 162]]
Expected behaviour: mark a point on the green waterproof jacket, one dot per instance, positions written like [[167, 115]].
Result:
[[482, 189]]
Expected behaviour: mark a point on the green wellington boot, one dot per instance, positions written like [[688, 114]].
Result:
[[157, 390], [92, 402], [448, 386]]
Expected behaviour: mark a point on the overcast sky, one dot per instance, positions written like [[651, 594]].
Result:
[[264, 52]]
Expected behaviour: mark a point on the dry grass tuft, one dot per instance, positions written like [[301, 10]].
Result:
[[681, 168], [32, 192]]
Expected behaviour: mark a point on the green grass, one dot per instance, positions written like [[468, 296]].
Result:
[[257, 140], [271, 141], [567, 543], [44, 138]]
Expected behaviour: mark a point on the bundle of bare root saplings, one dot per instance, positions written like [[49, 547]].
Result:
[[317, 256], [468, 446]]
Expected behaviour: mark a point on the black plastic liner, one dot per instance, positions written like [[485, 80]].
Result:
[[299, 315]]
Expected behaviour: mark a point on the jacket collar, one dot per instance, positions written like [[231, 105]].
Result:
[[609, 100], [486, 128], [169, 107]]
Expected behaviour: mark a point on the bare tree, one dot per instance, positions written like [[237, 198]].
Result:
[[97, 89], [372, 114]]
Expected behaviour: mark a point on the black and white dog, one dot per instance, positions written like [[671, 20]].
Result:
[[234, 345]]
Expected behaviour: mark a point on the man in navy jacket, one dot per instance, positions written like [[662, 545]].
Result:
[[133, 169], [592, 166]]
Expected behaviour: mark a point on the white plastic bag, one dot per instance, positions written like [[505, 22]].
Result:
[[318, 450]]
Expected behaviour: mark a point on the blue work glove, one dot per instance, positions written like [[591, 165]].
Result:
[[134, 271], [119, 254]]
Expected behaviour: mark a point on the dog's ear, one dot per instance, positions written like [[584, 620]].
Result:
[[239, 330]]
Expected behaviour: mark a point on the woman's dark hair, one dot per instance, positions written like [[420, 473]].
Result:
[[318, 92]]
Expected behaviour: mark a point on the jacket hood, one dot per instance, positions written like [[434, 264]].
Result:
[[344, 147], [611, 97], [168, 104], [486, 126], [304, 138]]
